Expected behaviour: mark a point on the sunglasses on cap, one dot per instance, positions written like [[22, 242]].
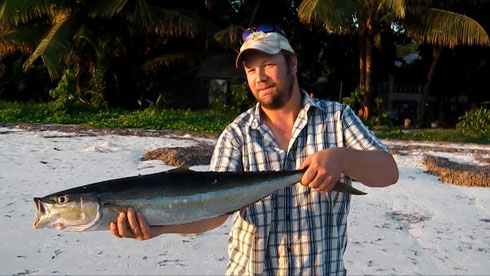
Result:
[[265, 28]]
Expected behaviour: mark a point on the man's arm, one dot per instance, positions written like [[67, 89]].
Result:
[[131, 225], [373, 168]]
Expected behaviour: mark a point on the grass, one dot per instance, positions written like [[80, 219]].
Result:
[[433, 135], [204, 121]]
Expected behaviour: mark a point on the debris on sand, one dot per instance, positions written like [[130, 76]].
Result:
[[182, 156], [456, 173]]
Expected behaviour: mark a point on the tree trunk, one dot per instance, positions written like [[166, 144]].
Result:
[[362, 59], [362, 68], [369, 89], [436, 53]]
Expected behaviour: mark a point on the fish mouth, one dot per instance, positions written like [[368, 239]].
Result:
[[40, 211]]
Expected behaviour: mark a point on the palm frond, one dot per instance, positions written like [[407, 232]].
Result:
[[230, 36], [163, 61], [143, 12], [15, 12], [108, 8], [53, 47], [173, 23], [23, 39], [180, 23], [445, 28], [87, 34], [394, 7], [416, 6], [154, 18], [336, 15]]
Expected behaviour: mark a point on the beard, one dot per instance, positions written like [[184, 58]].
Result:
[[280, 96]]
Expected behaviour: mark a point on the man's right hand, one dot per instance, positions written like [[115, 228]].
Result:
[[133, 225]]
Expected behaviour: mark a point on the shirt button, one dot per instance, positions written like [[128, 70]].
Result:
[[289, 249]]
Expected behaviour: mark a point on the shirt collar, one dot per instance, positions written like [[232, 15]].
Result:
[[310, 102]]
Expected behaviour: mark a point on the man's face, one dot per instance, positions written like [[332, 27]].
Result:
[[269, 78]]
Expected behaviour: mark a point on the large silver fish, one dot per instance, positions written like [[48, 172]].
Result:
[[172, 197]]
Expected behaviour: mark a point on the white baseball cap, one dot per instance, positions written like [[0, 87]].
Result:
[[270, 43]]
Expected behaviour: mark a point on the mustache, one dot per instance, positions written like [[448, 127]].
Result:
[[265, 86]]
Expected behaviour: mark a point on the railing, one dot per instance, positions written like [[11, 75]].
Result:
[[400, 88]]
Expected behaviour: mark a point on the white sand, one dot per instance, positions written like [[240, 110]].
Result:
[[418, 226]]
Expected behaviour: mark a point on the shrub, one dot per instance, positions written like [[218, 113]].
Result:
[[475, 122], [95, 92], [355, 98], [377, 118], [65, 94], [236, 99]]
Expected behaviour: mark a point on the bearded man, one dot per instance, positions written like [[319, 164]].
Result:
[[300, 229]]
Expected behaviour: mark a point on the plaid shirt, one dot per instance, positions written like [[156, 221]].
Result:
[[296, 230]]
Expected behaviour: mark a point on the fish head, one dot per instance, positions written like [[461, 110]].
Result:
[[67, 212]]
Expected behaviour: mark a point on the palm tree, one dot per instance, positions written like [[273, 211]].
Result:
[[414, 18], [88, 35]]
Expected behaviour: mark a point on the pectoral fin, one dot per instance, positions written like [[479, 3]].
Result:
[[116, 208], [344, 188]]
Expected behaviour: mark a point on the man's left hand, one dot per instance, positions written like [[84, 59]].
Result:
[[324, 169]]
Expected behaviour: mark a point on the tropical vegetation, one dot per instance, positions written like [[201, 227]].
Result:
[[475, 122], [205, 122], [147, 54], [210, 122], [369, 19]]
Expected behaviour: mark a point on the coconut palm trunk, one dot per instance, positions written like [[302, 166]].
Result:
[[436, 53], [369, 86], [366, 51]]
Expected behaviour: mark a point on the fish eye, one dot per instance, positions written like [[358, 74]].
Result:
[[62, 199]]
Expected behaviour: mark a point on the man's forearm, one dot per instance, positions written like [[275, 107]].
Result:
[[190, 228], [374, 168]]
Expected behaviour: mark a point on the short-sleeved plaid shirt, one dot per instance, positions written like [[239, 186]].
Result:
[[297, 230]]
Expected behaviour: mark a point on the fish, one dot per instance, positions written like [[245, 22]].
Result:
[[171, 197]]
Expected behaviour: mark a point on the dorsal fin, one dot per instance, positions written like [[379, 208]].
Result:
[[181, 169]]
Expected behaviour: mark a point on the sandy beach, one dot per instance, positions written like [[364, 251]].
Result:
[[418, 226]]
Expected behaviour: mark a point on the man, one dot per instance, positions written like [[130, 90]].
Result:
[[301, 229]]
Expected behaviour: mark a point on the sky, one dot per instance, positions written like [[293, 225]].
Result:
[[417, 226]]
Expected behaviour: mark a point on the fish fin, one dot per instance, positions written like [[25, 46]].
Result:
[[181, 169], [344, 188]]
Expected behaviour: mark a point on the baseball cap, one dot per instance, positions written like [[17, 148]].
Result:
[[266, 38]]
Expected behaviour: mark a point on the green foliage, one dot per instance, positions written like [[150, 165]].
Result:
[[96, 90], [355, 98], [475, 122], [236, 99], [446, 135], [67, 98], [65, 94], [378, 117], [206, 121]]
